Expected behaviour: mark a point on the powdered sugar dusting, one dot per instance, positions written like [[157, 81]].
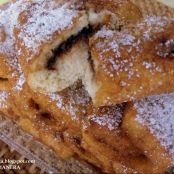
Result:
[[3, 97], [36, 19], [133, 57], [72, 101], [153, 24], [114, 61], [108, 116], [8, 20], [104, 33], [120, 52], [157, 113], [20, 82], [43, 20]]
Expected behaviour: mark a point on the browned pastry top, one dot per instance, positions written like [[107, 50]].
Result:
[[157, 113], [134, 62], [123, 8]]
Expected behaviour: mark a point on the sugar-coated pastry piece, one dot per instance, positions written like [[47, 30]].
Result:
[[15, 96], [135, 62], [57, 119], [9, 66], [42, 30], [98, 131], [104, 137], [46, 32], [150, 125], [64, 121]]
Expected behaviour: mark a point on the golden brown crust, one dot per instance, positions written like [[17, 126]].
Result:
[[32, 41], [145, 139], [135, 62], [58, 119], [124, 9]]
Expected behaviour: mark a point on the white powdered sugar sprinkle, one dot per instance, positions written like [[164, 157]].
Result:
[[157, 113], [111, 117], [74, 101], [8, 21], [20, 82], [3, 97], [43, 21]]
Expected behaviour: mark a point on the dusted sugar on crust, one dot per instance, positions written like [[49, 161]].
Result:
[[6, 104], [110, 117], [41, 27], [135, 62], [9, 66], [43, 20], [104, 137], [149, 123], [157, 113], [46, 31], [10, 69], [3, 99]]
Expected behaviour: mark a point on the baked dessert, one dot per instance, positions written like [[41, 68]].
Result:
[[46, 69], [40, 53], [58, 119], [110, 80], [149, 123], [134, 62]]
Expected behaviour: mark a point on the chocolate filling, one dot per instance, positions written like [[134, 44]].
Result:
[[66, 46], [3, 79], [90, 60]]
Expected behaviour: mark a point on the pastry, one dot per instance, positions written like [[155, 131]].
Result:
[[103, 136], [133, 63], [149, 123], [48, 71], [109, 81], [39, 52], [56, 119]]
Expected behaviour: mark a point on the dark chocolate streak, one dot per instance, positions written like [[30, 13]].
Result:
[[66, 46], [3, 79]]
